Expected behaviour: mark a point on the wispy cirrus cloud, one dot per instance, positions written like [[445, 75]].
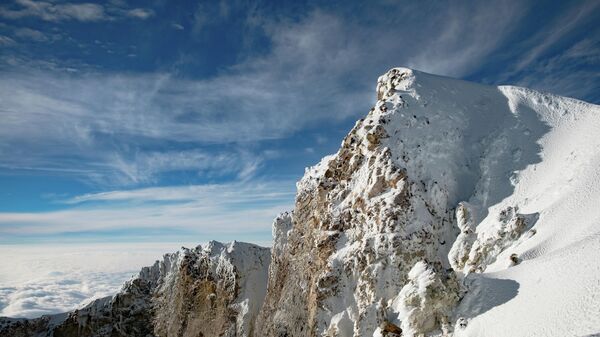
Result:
[[145, 166], [6, 41], [456, 40], [320, 69], [104, 127], [559, 29], [31, 34], [122, 128], [49, 11], [232, 193], [139, 13], [563, 57], [55, 12], [211, 210]]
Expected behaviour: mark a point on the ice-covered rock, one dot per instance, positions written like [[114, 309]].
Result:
[[427, 300]]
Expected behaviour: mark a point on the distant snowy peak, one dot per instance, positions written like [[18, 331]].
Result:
[[210, 290], [223, 284]]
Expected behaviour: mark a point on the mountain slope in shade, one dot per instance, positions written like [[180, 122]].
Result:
[[452, 208]]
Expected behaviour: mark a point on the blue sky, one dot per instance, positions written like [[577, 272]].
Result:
[[190, 121]]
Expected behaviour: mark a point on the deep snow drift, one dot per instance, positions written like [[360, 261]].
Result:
[[452, 208]]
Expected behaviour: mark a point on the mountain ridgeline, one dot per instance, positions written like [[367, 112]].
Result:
[[445, 192]]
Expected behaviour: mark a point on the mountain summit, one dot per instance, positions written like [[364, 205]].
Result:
[[452, 208]]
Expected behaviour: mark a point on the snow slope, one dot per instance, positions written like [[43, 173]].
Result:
[[526, 150], [555, 289]]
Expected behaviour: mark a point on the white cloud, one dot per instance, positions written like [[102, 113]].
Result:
[[456, 40], [32, 34], [84, 12], [48, 279], [241, 208], [6, 41], [143, 167], [55, 12], [232, 193], [140, 13]]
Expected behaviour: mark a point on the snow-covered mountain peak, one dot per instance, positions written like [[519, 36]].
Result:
[[397, 79], [451, 209], [439, 172]]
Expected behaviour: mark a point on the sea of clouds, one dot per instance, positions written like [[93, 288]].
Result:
[[46, 279]]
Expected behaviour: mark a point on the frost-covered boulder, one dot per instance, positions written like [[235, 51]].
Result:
[[427, 300], [472, 252]]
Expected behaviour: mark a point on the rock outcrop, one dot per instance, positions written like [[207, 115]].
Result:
[[362, 221]]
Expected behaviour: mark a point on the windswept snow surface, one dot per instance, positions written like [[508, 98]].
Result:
[[508, 150], [555, 288]]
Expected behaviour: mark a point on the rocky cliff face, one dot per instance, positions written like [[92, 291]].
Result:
[[218, 291], [363, 220]]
